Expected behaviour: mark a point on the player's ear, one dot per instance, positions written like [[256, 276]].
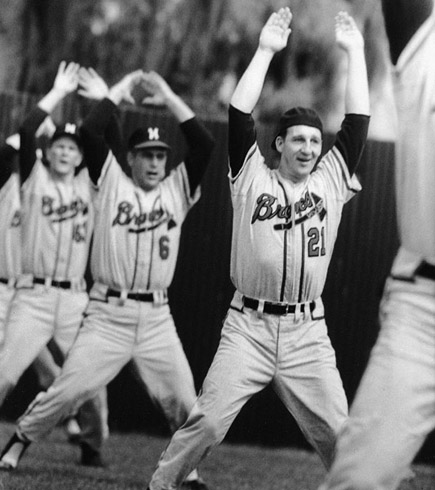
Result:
[[279, 143], [130, 158]]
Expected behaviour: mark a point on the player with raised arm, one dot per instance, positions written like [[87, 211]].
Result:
[[56, 227], [284, 226], [137, 234], [394, 407], [44, 365], [10, 239]]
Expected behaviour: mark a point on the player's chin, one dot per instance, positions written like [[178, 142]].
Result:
[[149, 184], [305, 168]]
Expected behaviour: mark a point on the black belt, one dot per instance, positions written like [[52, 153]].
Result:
[[136, 296], [275, 308], [54, 283], [426, 270], [4, 281]]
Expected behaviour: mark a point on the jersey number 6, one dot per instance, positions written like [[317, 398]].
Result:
[[164, 247]]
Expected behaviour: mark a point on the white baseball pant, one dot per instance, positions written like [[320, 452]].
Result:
[[6, 295], [294, 353], [37, 314], [112, 334], [394, 408]]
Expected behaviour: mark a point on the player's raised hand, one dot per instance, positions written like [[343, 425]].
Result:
[[91, 85], [66, 80], [347, 34], [157, 88], [123, 90], [276, 31]]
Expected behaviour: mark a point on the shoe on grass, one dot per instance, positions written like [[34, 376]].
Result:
[[90, 456], [12, 453]]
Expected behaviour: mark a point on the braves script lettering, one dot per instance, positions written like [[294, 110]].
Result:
[[64, 211], [126, 216], [268, 207]]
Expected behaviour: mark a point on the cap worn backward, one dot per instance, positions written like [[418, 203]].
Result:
[[297, 116], [147, 138], [70, 130]]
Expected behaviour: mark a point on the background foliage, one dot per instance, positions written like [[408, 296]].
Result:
[[200, 46]]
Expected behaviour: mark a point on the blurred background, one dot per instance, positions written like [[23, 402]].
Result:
[[201, 47]]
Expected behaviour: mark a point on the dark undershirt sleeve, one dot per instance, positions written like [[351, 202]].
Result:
[[114, 137], [200, 144], [402, 19], [7, 163], [351, 139], [93, 134], [241, 136], [27, 141]]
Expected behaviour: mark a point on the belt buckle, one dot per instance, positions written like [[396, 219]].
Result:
[[287, 309]]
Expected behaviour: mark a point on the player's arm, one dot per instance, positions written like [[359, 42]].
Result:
[[93, 87], [65, 82], [402, 19], [199, 140], [241, 129], [94, 129], [8, 151], [273, 38], [353, 134]]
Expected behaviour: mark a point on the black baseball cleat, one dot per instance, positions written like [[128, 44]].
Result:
[[194, 485], [12, 453], [90, 456]]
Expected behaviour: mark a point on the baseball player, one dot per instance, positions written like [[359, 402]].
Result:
[[9, 231], [284, 226], [56, 226], [137, 233], [394, 408], [10, 261]]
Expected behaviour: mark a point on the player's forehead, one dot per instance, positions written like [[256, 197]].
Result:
[[151, 153], [65, 141], [304, 131]]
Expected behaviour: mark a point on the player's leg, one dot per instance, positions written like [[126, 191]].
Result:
[[162, 365], [243, 365], [308, 381], [99, 352], [394, 409], [93, 413], [6, 295], [28, 330], [45, 369]]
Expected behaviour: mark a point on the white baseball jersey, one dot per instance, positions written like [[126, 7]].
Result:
[[284, 233], [414, 86], [137, 233], [10, 240], [57, 225]]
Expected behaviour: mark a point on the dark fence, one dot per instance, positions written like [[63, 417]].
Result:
[[201, 290]]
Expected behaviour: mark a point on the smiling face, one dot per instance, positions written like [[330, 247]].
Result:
[[64, 156], [300, 148], [148, 166]]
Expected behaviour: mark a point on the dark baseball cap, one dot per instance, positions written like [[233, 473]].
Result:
[[149, 137], [295, 117], [69, 130]]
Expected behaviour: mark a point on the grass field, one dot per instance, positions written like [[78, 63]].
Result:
[[52, 465]]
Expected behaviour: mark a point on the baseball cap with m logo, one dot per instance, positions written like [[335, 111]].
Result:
[[149, 137]]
